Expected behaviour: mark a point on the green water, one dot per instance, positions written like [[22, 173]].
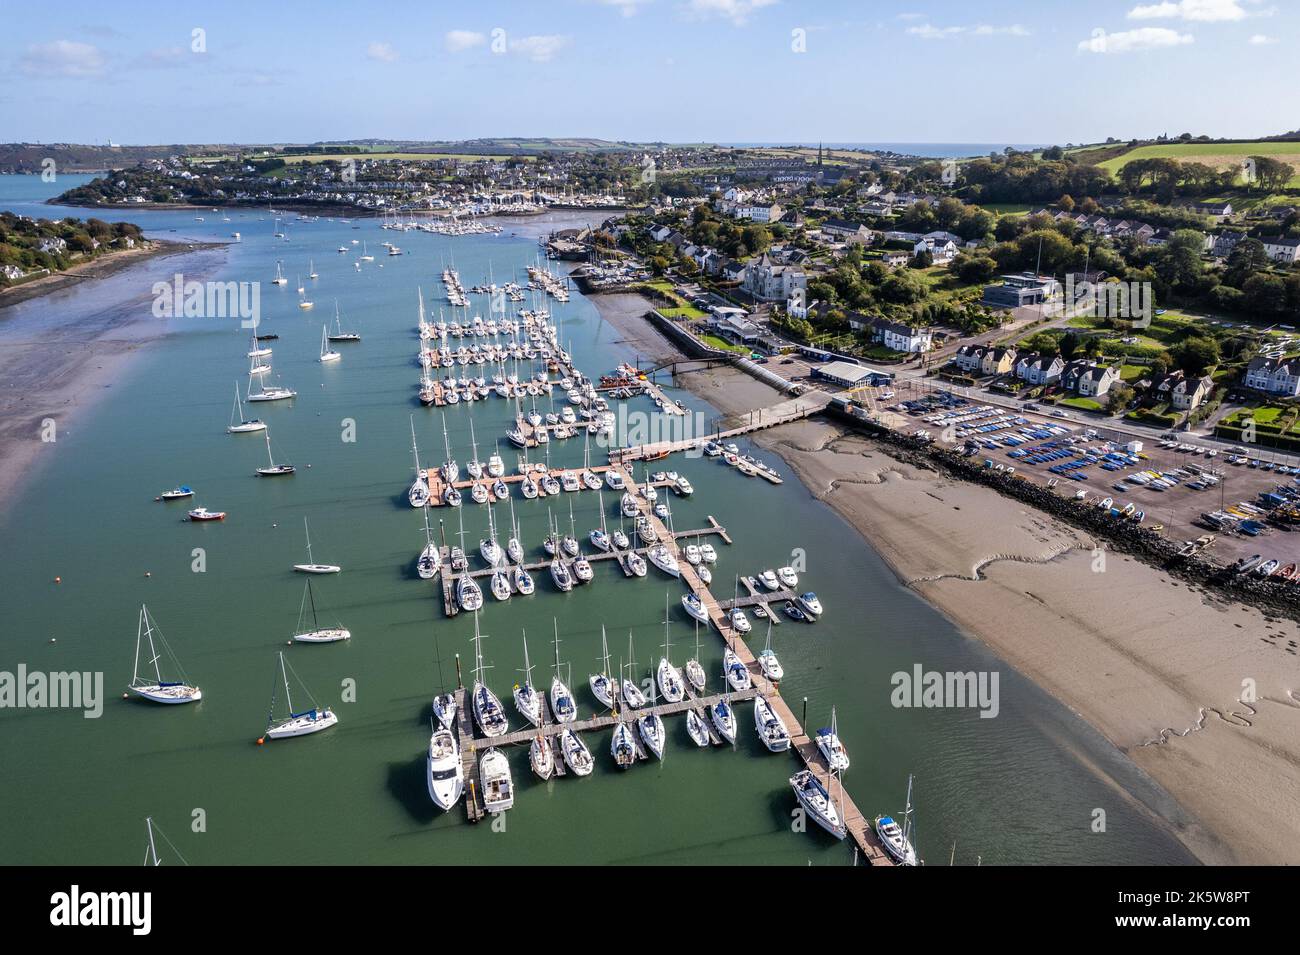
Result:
[[1018, 788]]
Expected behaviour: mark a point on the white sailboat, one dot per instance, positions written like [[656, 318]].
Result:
[[771, 728], [576, 754], [158, 690], [633, 696], [296, 724], [279, 275], [489, 715], [898, 840], [668, 676], [767, 661], [527, 700], [738, 675], [694, 671], [327, 354], [603, 686], [238, 423], [450, 470], [832, 749], [697, 728], [418, 495], [622, 746], [651, 728], [563, 706], [816, 801], [540, 756], [429, 561], [315, 633], [339, 335], [311, 567]]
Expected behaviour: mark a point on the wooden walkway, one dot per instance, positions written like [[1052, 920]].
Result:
[[795, 409], [859, 827]]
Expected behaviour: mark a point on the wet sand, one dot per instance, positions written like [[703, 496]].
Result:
[[1199, 692], [58, 356]]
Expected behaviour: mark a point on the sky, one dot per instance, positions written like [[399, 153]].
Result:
[[979, 71]]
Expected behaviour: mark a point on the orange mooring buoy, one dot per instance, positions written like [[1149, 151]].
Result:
[[261, 740]]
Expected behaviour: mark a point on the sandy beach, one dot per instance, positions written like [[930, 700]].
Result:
[[56, 361], [1199, 692]]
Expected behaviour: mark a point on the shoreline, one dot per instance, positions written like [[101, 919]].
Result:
[[1155, 664], [57, 371], [99, 268]]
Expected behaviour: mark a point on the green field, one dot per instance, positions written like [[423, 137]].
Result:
[[1219, 155]]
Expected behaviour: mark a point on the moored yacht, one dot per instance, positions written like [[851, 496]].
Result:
[[445, 773], [816, 800]]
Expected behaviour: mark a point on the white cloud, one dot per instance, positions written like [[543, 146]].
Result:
[[1260, 39], [928, 31], [383, 52], [737, 11], [627, 7], [64, 58], [1200, 11], [1134, 41], [541, 48], [459, 40]]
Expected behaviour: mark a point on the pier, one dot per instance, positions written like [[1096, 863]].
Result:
[[785, 412]]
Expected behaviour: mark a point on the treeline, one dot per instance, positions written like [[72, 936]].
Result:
[[21, 239]]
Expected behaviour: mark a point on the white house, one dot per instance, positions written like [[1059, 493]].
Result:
[[771, 282], [1039, 369], [1284, 250], [1275, 376]]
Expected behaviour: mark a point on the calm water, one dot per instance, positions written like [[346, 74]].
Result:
[[1018, 788]]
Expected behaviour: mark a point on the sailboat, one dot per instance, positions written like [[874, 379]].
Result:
[[488, 546], [427, 564], [667, 675], [489, 715], [339, 335], [828, 741], [272, 469], [563, 706], [473, 467], [274, 393], [151, 858], [622, 747], [450, 470], [816, 801], [576, 754], [315, 633], [418, 495], [296, 724], [694, 671], [366, 256], [723, 715], [158, 690], [540, 756], [771, 728], [327, 354], [651, 728], [767, 661], [279, 275], [304, 302], [632, 694], [444, 771], [527, 701], [697, 728], [897, 839], [737, 673], [311, 269], [602, 685], [245, 425], [310, 567]]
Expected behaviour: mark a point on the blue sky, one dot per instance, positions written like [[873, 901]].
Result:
[[676, 70]]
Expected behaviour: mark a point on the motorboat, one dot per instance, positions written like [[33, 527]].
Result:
[[788, 577], [708, 553], [768, 579], [810, 604], [203, 514], [582, 570], [739, 622], [767, 661], [445, 773], [692, 555], [177, 493], [794, 613], [497, 784]]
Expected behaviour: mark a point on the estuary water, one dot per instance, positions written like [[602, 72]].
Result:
[[1023, 787]]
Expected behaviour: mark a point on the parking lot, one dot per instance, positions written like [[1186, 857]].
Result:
[[1187, 490]]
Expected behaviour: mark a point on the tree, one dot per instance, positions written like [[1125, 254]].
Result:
[[1195, 354], [1118, 398]]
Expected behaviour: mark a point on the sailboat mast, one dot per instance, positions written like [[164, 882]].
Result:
[[288, 698], [139, 632], [153, 849]]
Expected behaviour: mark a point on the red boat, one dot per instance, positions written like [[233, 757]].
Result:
[[203, 514]]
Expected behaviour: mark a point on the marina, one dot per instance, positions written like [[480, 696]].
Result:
[[374, 760]]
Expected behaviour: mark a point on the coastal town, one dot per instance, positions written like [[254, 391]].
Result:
[[382, 415]]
